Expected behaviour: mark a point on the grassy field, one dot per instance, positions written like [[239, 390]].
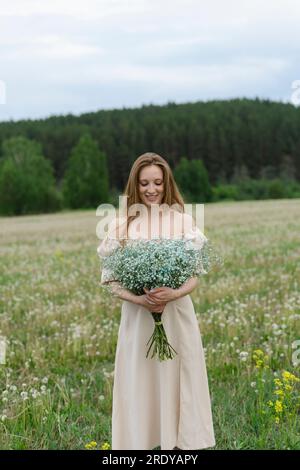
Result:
[[61, 329]]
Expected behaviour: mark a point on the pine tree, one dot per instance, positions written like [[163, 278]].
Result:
[[27, 183], [85, 183], [192, 179]]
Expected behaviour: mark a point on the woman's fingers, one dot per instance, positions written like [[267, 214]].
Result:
[[150, 301], [153, 300], [157, 307], [157, 300], [155, 295]]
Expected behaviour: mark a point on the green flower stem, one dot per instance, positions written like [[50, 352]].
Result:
[[162, 348]]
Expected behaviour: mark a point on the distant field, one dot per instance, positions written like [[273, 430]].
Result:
[[61, 329]]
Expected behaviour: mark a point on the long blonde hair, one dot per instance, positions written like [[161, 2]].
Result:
[[171, 192]]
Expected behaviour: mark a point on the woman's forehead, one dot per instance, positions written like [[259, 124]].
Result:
[[151, 171]]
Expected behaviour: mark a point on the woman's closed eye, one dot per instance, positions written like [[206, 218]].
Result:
[[156, 183]]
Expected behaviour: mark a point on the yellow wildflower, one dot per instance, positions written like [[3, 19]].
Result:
[[278, 406], [259, 363], [59, 254], [279, 393], [288, 376], [260, 359], [277, 420], [91, 445], [258, 352], [105, 446]]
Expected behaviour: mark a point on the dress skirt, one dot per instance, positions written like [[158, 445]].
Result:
[[155, 403]]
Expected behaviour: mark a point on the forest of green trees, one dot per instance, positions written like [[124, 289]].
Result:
[[219, 150]]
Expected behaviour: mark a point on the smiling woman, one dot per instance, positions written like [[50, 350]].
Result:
[[151, 184], [158, 403]]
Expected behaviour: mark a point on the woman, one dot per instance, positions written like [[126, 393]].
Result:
[[155, 403]]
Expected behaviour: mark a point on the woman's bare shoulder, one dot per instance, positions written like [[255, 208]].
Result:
[[117, 226]]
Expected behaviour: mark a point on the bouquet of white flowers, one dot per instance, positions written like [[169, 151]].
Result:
[[156, 263]]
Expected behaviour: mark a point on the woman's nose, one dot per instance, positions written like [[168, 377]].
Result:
[[151, 188]]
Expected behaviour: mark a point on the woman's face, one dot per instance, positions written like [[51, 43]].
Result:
[[151, 184]]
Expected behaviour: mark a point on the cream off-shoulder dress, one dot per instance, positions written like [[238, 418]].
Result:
[[155, 403]]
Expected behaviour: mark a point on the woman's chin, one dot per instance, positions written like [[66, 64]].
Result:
[[150, 204]]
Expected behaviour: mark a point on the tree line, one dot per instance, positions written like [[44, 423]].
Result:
[[234, 149]]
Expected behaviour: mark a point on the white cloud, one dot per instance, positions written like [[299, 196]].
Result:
[[51, 47], [130, 52], [75, 8]]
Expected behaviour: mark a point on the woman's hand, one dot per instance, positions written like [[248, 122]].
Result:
[[161, 294], [152, 306]]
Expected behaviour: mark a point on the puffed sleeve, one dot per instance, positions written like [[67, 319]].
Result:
[[109, 243], [206, 255], [193, 233]]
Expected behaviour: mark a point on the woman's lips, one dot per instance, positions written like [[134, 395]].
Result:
[[151, 198]]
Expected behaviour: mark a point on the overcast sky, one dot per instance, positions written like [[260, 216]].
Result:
[[70, 56]]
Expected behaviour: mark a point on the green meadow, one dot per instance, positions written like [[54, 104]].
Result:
[[60, 328]]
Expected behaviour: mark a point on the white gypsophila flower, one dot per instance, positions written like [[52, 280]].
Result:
[[155, 263]]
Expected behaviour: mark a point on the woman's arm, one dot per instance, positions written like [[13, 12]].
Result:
[[167, 294], [122, 293], [187, 287], [125, 294]]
